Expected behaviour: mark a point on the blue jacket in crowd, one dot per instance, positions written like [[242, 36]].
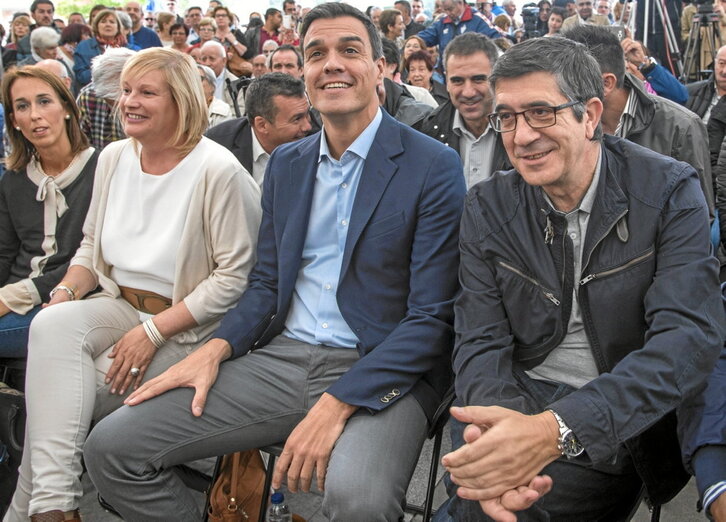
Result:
[[444, 30]]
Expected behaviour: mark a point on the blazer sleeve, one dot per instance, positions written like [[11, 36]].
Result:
[[425, 333]]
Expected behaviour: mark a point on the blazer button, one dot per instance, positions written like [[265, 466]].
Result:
[[385, 399]]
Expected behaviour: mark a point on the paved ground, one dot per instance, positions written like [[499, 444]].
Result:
[[681, 509]]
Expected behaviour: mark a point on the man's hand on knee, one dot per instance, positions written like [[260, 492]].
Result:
[[310, 444], [198, 370], [504, 450], [503, 509]]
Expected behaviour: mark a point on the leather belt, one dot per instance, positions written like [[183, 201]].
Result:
[[144, 301]]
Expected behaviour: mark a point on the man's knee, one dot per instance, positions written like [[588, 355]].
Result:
[[357, 498], [105, 448]]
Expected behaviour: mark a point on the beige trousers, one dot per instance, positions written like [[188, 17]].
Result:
[[65, 392]]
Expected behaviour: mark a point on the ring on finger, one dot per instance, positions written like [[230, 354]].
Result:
[[134, 372]]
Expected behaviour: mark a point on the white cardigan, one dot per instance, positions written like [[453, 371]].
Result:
[[217, 248]]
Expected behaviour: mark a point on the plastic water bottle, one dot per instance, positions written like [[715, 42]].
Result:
[[278, 510]]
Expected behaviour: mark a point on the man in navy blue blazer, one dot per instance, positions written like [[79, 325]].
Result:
[[341, 342]]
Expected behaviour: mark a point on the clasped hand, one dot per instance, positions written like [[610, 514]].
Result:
[[504, 451]]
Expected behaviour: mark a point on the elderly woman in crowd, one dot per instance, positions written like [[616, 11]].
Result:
[[217, 109], [43, 46], [169, 240], [107, 34], [179, 34], [71, 36], [44, 198], [420, 67], [412, 44], [207, 28]]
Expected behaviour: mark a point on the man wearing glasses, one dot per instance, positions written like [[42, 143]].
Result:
[[589, 311], [585, 15]]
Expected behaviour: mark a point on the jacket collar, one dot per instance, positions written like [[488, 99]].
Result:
[[645, 111], [465, 17]]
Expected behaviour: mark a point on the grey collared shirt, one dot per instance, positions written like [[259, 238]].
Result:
[[572, 361], [477, 152]]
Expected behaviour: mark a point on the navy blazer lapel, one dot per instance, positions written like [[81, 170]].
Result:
[[294, 199], [377, 173]]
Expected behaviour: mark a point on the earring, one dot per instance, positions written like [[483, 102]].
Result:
[[68, 116], [17, 128]]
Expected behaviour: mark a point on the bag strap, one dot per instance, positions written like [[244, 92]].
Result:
[[232, 505]]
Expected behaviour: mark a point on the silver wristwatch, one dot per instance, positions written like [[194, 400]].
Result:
[[567, 443]]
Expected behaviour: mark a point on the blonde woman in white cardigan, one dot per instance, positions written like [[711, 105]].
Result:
[[168, 243]]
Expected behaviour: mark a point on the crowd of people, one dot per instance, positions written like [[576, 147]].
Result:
[[307, 227]]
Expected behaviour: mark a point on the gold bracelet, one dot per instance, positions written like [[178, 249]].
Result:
[[70, 286]]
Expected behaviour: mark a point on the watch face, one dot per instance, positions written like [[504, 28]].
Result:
[[571, 447]]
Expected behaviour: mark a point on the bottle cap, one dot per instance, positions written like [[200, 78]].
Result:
[[278, 498]]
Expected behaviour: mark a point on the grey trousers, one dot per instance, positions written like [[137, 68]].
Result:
[[256, 401]]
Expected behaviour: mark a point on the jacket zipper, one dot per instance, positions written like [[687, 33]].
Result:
[[606, 273], [548, 294]]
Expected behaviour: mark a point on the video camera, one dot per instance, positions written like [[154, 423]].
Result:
[[530, 14]]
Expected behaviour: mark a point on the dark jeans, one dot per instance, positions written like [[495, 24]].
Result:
[[580, 492], [14, 333]]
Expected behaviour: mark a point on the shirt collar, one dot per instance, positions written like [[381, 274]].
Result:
[[460, 128], [257, 149], [360, 146]]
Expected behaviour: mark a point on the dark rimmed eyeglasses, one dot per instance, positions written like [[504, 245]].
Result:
[[536, 117]]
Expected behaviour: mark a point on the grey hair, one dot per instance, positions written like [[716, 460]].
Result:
[[332, 10], [216, 45], [260, 94], [270, 43], [209, 75], [576, 72], [507, 2], [106, 71], [124, 19], [470, 43], [44, 37]]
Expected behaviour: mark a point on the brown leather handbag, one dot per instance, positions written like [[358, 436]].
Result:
[[238, 65], [238, 492]]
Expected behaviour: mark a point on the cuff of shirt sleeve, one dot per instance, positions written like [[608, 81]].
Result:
[[711, 495], [709, 465]]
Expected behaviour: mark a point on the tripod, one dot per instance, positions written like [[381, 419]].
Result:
[[705, 35], [671, 48]]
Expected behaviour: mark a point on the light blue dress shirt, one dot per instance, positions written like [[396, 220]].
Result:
[[314, 316]]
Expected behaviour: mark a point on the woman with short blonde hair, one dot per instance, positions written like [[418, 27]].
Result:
[[169, 240]]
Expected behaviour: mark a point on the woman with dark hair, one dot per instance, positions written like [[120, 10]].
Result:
[[71, 36], [179, 34], [168, 243], [420, 67], [545, 7], [106, 34], [44, 197]]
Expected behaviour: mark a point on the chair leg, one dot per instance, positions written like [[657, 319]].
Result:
[[268, 483], [433, 468]]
